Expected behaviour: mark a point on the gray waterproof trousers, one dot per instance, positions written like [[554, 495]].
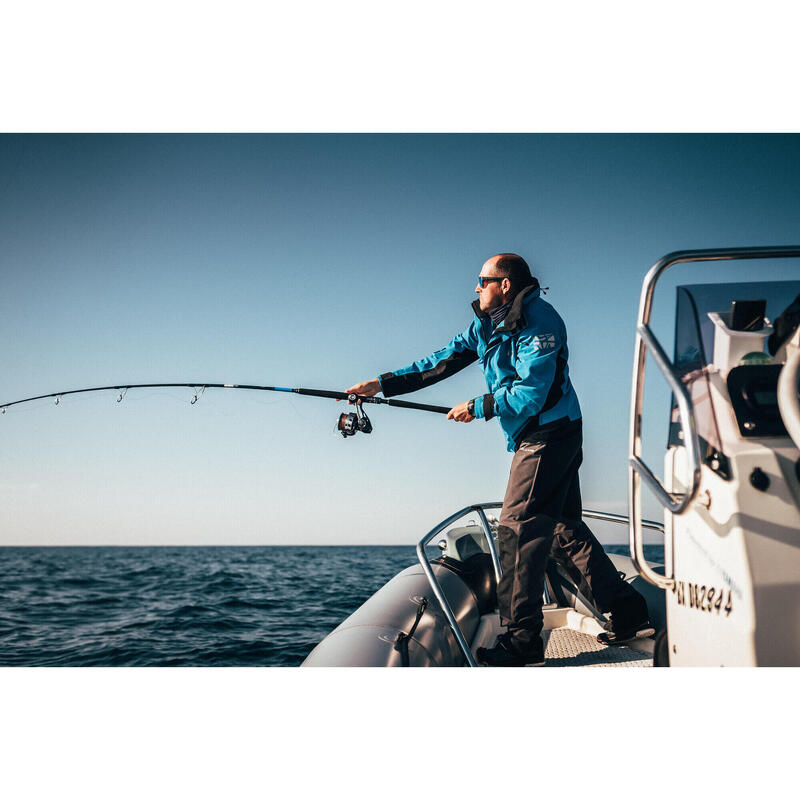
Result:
[[541, 518]]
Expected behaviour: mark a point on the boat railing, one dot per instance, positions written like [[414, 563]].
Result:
[[481, 509], [675, 503]]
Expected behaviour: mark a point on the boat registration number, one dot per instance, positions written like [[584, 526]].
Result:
[[704, 598]]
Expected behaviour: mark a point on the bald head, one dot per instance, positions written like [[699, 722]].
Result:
[[502, 276], [514, 267]]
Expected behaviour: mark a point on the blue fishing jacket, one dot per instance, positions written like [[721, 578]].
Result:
[[524, 362]]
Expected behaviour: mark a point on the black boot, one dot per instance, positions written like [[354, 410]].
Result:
[[506, 654], [629, 620]]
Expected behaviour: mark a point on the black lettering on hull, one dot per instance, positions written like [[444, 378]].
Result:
[[704, 598]]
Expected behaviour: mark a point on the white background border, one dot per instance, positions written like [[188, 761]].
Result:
[[419, 66]]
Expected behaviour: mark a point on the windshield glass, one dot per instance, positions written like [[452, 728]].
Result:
[[694, 331], [694, 345]]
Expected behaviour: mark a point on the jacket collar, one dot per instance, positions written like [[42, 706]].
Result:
[[514, 315]]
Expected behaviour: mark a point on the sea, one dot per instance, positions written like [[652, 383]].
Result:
[[186, 606]]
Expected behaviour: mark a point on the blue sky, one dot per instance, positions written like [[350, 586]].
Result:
[[318, 261]]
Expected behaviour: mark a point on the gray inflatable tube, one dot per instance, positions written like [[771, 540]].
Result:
[[376, 634]]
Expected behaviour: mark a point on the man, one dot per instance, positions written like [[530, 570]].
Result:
[[521, 343]]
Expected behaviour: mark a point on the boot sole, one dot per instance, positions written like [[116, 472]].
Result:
[[517, 663], [607, 639]]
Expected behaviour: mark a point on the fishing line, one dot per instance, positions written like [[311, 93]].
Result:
[[348, 424]]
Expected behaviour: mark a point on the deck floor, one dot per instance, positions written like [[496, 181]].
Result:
[[570, 641], [568, 648]]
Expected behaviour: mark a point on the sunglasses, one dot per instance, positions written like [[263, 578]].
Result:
[[482, 281]]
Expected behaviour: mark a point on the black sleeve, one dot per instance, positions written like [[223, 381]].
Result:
[[392, 384]]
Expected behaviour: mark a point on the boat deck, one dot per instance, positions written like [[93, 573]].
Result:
[[570, 641]]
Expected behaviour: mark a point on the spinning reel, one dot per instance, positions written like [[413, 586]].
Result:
[[351, 424]]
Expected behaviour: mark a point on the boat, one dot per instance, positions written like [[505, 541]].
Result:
[[728, 593]]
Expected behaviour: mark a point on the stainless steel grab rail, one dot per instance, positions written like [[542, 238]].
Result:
[[437, 590], [637, 469], [487, 532], [480, 508], [650, 524], [788, 401]]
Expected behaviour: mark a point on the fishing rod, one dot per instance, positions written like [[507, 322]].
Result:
[[347, 425]]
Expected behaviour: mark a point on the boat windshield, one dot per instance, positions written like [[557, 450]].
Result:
[[694, 345], [694, 331]]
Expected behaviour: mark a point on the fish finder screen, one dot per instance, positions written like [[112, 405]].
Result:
[[765, 397]]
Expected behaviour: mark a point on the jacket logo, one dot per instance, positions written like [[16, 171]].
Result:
[[546, 341]]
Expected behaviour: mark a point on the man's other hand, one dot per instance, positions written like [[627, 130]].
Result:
[[460, 413], [366, 388]]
